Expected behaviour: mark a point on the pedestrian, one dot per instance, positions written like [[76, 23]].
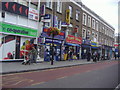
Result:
[[88, 56], [98, 56], [70, 54], [33, 54], [78, 56], [115, 56], [94, 56]]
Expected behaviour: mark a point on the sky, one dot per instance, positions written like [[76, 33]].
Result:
[[107, 9]]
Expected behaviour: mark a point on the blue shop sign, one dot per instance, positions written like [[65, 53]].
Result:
[[86, 41], [47, 16], [54, 41]]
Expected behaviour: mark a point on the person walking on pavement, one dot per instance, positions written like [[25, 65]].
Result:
[[88, 56], [70, 54], [33, 55], [94, 56], [98, 56]]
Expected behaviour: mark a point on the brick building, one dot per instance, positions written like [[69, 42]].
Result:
[[87, 31]]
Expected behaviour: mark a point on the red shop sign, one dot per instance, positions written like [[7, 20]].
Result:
[[73, 39]]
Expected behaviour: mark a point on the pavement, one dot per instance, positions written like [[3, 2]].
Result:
[[16, 67]]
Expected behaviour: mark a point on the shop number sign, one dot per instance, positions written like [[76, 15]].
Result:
[[73, 39]]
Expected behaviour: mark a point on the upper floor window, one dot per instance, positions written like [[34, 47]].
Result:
[[96, 25], [84, 19], [93, 35], [34, 6], [47, 24], [59, 6], [93, 23], [59, 24], [77, 14], [71, 10], [49, 3], [24, 2], [89, 21], [84, 33]]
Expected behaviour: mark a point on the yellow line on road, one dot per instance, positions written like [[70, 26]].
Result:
[[62, 77], [37, 83]]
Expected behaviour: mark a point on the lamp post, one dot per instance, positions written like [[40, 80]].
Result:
[[118, 45]]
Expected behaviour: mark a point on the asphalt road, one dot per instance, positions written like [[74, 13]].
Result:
[[99, 75]]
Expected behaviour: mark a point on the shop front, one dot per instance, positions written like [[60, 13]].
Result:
[[86, 47], [94, 47], [57, 41], [107, 52], [72, 48], [14, 40]]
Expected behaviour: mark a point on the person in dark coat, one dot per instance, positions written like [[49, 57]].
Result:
[[88, 56], [98, 56], [95, 56]]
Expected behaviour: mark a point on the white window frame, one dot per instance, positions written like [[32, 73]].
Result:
[[93, 23], [59, 24], [49, 4], [71, 10], [96, 25], [93, 35], [77, 14], [89, 21], [24, 2], [59, 6], [84, 19], [45, 24], [33, 6], [84, 34]]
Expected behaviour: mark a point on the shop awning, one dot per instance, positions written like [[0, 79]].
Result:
[[71, 44]]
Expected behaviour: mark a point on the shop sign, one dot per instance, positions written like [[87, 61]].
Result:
[[54, 41], [33, 14], [47, 16], [15, 8], [75, 30], [42, 10], [68, 16], [73, 39], [17, 30], [94, 44]]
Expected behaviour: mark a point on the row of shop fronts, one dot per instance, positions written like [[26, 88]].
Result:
[[15, 40]]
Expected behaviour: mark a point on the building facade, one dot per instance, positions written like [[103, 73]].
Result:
[[25, 22]]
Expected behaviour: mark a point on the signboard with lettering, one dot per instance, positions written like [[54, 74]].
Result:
[[68, 16], [73, 39], [17, 30], [42, 10], [33, 14]]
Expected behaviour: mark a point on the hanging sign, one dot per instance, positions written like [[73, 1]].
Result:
[[33, 14]]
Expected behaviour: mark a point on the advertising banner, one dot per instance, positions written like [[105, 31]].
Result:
[[17, 30], [15, 8], [73, 39], [33, 14]]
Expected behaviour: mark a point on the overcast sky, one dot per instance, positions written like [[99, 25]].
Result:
[[107, 9]]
